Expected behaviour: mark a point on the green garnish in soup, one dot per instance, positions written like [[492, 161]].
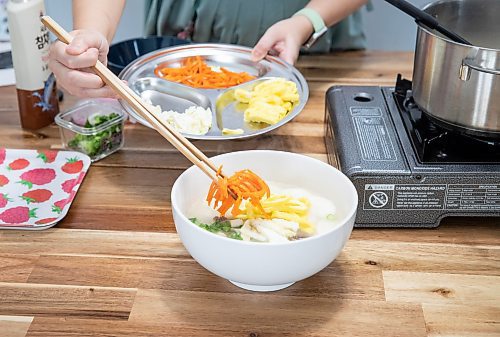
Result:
[[219, 226]]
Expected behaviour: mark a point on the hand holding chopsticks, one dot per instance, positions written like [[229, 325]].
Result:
[[144, 109]]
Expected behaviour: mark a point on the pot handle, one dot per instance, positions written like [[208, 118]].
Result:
[[468, 63]]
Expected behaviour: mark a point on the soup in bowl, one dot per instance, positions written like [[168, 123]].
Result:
[[265, 261]]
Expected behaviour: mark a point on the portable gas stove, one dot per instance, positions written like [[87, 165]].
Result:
[[409, 171]]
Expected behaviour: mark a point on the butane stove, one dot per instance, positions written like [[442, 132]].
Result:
[[408, 170]]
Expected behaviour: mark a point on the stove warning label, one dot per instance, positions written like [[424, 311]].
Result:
[[378, 199], [419, 196], [373, 136], [378, 196], [473, 197], [388, 196], [432, 197]]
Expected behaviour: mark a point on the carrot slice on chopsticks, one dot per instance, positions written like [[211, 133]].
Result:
[[196, 73], [245, 184]]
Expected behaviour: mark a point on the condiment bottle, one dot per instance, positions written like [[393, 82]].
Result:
[[36, 88]]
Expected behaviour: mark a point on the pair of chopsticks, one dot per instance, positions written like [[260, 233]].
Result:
[[145, 110]]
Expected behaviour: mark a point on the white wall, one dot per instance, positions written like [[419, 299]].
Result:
[[386, 27], [131, 24]]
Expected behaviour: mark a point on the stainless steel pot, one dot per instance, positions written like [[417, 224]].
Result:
[[458, 84]]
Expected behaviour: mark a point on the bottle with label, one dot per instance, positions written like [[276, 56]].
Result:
[[36, 89]]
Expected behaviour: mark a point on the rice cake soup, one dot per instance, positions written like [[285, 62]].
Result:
[[290, 213]]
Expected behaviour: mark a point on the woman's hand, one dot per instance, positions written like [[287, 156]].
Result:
[[71, 64], [284, 39]]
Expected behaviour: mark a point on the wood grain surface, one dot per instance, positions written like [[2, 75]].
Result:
[[115, 266]]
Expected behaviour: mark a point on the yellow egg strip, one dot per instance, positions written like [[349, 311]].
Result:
[[269, 101], [281, 207]]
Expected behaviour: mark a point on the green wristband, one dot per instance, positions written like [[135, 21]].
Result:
[[317, 22], [314, 17]]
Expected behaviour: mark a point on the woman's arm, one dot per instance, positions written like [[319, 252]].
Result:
[[99, 15], [287, 36], [333, 11], [94, 23]]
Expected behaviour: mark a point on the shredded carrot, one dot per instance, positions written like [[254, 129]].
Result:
[[196, 73], [245, 184]]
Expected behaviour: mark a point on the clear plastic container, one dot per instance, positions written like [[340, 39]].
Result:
[[93, 127]]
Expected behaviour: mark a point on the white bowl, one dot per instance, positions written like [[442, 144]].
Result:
[[265, 266]]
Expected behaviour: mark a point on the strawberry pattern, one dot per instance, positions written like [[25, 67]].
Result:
[[39, 176], [48, 156], [36, 196], [17, 214], [18, 164], [3, 180], [37, 187], [70, 184], [73, 166], [45, 221], [4, 199]]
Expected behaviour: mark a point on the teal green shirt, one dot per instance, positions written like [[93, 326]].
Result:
[[241, 22]]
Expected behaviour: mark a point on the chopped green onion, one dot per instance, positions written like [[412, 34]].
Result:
[[223, 227], [100, 142]]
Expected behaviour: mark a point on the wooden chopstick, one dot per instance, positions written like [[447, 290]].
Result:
[[145, 110]]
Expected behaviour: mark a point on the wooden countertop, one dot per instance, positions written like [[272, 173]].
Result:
[[115, 266]]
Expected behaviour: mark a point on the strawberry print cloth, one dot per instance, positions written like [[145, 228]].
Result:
[[38, 186]]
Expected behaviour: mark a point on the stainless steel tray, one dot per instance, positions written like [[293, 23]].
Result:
[[226, 113]]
